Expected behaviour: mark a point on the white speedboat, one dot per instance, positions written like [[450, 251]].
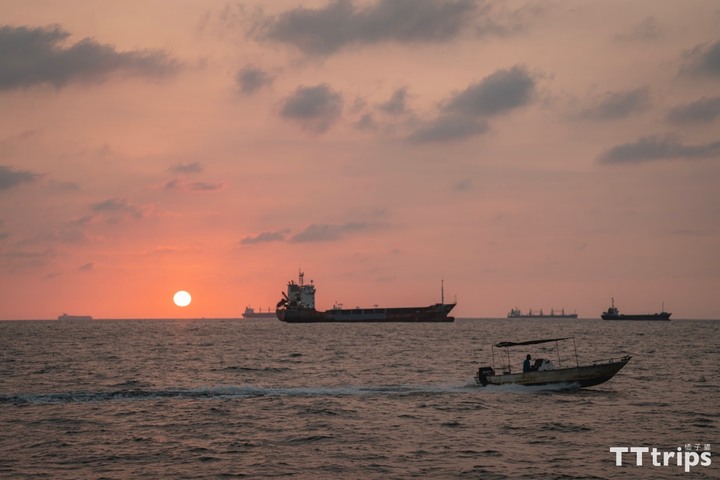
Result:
[[545, 372]]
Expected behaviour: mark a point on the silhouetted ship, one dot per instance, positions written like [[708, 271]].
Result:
[[516, 313], [298, 306], [65, 316], [614, 314], [251, 313]]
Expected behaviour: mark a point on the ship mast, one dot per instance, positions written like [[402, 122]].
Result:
[[442, 291]]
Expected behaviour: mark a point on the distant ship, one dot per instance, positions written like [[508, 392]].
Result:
[[65, 316], [251, 313], [516, 313], [614, 314], [298, 306]]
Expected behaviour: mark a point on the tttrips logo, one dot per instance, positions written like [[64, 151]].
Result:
[[687, 457]]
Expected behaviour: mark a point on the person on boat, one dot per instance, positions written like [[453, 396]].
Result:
[[526, 364]]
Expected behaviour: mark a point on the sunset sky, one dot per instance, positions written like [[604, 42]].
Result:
[[531, 154]]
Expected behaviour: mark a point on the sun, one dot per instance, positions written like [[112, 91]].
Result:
[[182, 298]]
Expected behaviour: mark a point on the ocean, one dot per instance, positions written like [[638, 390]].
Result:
[[126, 399]]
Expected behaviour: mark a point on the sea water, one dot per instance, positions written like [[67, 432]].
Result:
[[120, 399]]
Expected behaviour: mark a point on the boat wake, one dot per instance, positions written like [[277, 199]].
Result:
[[517, 388], [220, 392]]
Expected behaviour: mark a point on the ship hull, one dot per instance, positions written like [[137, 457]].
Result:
[[569, 315], [643, 317], [433, 313], [68, 318], [260, 315]]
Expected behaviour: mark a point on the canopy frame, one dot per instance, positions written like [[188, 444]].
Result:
[[506, 345]]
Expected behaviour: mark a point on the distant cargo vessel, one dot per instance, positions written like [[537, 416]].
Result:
[[65, 316], [614, 314], [298, 306], [251, 313], [516, 313]]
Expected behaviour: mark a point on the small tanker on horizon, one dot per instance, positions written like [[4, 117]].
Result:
[[613, 313], [298, 306]]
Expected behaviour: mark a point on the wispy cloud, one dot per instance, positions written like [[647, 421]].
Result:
[[464, 114], [117, 209], [648, 29], [331, 232], [340, 24], [184, 186], [654, 148], [495, 94], [314, 108], [266, 237], [616, 105], [20, 258], [704, 110], [192, 167], [448, 128], [10, 177], [37, 55], [397, 104], [704, 59], [250, 79]]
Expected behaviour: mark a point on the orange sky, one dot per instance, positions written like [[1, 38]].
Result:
[[531, 154]]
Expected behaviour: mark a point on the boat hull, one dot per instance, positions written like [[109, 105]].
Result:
[[583, 376], [433, 313], [567, 315]]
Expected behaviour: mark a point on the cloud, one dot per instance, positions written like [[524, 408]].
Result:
[[193, 167], [117, 209], [704, 59], [251, 79], [266, 237], [339, 24], [8, 145], [326, 233], [366, 122], [616, 105], [654, 148], [34, 56], [645, 30], [448, 128], [464, 113], [193, 186], [88, 267], [704, 110], [10, 177], [26, 258], [315, 108], [495, 94], [396, 105]]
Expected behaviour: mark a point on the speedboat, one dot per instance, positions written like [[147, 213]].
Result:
[[545, 372]]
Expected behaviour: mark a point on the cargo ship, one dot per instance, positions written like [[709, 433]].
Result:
[[298, 306], [65, 316], [613, 313], [516, 313], [251, 313]]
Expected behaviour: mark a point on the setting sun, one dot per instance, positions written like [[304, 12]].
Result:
[[182, 298]]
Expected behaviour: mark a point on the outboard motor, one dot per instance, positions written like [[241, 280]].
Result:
[[482, 374]]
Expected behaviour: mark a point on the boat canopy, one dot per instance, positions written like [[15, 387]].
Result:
[[529, 342]]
